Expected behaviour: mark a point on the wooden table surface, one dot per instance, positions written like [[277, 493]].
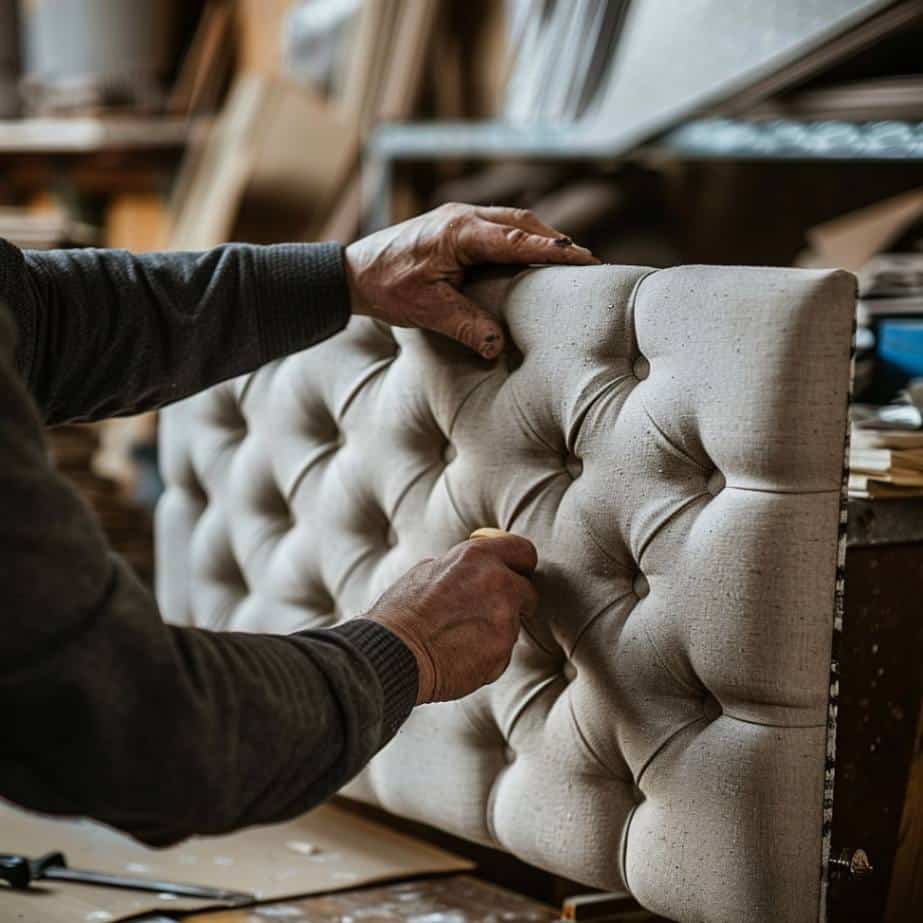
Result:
[[455, 899]]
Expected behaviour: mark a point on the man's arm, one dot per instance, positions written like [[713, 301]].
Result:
[[161, 731], [166, 732], [108, 332]]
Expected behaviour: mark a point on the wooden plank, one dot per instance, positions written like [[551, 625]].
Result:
[[205, 67], [381, 87], [616, 906], [212, 180], [342, 222], [362, 86], [259, 25], [583, 907], [879, 666], [456, 899], [137, 221], [905, 900], [413, 32], [79, 135]]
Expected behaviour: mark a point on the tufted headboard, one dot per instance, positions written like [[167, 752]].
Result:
[[673, 442]]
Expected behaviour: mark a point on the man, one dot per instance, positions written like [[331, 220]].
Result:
[[167, 732]]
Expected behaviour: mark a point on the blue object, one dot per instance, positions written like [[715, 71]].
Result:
[[900, 350]]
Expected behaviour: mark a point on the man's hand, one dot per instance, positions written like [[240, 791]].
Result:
[[459, 614], [408, 275]]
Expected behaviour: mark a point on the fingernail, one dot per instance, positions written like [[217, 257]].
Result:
[[562, 241], [585, 253], [490, 346]]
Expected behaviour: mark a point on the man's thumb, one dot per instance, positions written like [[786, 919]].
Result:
[[465, 321]]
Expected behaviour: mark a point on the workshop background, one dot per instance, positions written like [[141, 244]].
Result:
[[181, 125]]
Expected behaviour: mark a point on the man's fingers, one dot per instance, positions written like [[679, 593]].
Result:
[[463, 320], [527, 596], [481, 241], [517, 218], [516, 552]]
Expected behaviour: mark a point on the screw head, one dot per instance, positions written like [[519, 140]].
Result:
[[851, 863], [859, 865]]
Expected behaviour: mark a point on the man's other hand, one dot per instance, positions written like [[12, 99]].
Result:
[[459, 614], [409, 275]]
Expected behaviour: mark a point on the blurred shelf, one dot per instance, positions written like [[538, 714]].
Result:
[[87, 135], [785, 139], [392, 143], [437, 140], [713, 138]]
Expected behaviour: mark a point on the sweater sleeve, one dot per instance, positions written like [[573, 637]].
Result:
[[107, 332], [160, 731]]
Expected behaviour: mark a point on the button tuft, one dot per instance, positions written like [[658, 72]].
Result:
[[514, 358], [319, 426], [711, 707], [715, 483], [640, 586], [319, 599], [449, 453], [641, 368], [333, 435], [573, 465]]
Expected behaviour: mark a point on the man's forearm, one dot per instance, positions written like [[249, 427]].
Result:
[[107, 332], [168, 732], [161, 731]]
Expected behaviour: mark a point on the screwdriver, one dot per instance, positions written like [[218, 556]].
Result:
[[20, 871]]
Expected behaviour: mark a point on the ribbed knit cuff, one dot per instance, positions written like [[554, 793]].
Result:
[[394, 664], [302, 296]]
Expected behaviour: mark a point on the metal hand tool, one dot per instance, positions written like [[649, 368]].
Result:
[[20, 872]]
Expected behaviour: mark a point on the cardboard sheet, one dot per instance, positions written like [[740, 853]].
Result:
[[331, 848], [851, 240]]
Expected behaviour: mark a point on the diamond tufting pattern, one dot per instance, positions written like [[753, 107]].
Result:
[[672, 441]]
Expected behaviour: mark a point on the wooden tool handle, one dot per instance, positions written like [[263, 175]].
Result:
[[487, 532]]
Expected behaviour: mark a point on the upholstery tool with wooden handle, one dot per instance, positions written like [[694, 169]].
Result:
[[487, 532], [20, 871]]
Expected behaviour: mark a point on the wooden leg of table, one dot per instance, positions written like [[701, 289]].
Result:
[[905, 899]]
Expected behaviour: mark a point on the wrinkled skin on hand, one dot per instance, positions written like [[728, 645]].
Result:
[[459, 614], [409, 275]]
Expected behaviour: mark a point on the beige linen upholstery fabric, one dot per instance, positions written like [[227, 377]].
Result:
[[672, 441]]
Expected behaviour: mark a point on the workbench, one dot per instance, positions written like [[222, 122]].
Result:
[[455, 899], [451, 899]]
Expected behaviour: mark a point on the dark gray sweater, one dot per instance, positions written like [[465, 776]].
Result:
[[109, 712]]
